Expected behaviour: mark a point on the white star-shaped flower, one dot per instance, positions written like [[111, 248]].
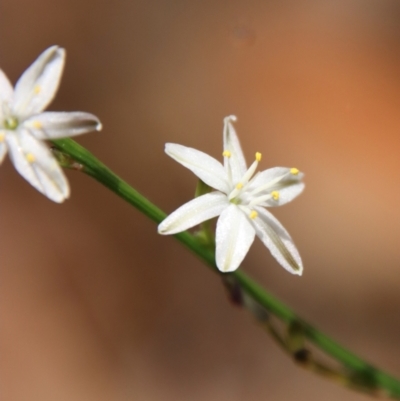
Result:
[[24, 127], [239, 201]]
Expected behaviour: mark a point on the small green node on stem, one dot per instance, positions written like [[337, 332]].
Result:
[[65, 160], [295, 338]]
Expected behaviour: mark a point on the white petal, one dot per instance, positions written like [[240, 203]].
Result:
[[196, 211], [6, 94], [39, 83], [236, 163], [6, 89], [275, 176], [36, 164], [286, 194], [234, 236], [278, 179], [278, 241], [61, 124], [204, 166]]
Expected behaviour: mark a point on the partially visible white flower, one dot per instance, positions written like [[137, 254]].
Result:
[[239, 201], [24, 127]]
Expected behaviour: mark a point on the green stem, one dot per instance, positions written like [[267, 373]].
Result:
[[363, 373]]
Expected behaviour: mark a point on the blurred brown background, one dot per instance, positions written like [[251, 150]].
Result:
[[94, 304]]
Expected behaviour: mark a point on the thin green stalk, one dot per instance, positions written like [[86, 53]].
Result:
[[362, 373]]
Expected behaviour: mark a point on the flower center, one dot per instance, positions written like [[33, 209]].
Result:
[[11, 123]]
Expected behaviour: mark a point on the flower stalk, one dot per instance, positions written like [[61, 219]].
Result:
[[353, 371]]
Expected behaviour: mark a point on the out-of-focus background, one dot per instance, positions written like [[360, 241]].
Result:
[[94, 304]]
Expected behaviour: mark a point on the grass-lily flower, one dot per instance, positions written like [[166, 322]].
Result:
[[24, 126], [239, 200]]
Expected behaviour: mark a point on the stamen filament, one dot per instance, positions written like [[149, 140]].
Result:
[[245, 179], [260, 199], [270, 184]]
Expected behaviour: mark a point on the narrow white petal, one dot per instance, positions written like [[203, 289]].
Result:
[[6, 89], [61, 124], [196, 211], [36, 164], [235, 164], [6, 95], [204, 166], [286, 194], [39, 83], [274, 176], [278, 241], [278, 179], [234, 236]]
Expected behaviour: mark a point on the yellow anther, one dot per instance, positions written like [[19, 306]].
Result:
[[30, 157], [239, 185], [294, 171], [275, 195], [258, 156], [37, 124], [2, 136], [226, 153], [37, 89], [253, 214]]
